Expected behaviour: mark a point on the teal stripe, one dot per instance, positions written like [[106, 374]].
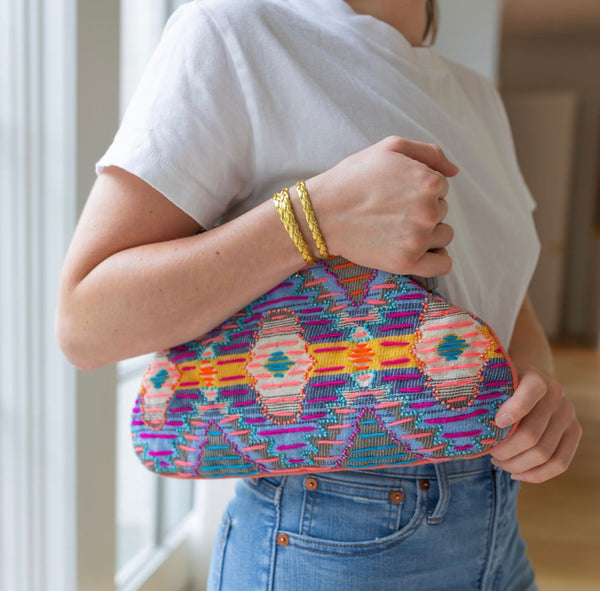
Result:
[[210, 468], [221, 458], [217, 447], [380, 458], [372, 434]]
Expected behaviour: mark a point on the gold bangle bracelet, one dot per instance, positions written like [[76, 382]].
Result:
[[311, 219], [283, 205]]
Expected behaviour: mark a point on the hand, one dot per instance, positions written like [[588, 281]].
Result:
[[544, 442], [383, 207]]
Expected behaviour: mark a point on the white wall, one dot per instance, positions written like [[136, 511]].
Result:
[[469, 33], [571, 64]]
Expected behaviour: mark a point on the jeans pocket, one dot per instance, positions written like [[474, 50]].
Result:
[[218, 554], [356, 511]]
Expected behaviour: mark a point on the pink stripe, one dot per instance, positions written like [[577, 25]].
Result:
[[443, 312], [283, 399], [184, 409], [422, 404], [444, 420], [415, 435], [457, 383], [184, 355], [340, 307], [312, 310], [182, 463], [386, 405], [253, 448], [316, 282], [393, 344], [188, 384], [281, 286], [498, 365], [325, 441], [450, 325], [495, 384], [430, 449], [383, 286], [401, 422], [414, 389], [232, 378], [462, 447], [244, 403], [326, 399], [340, 426], [160, 453], [332, 383], [296, 461], [326, 369], [453, 367], [457, 399], [191, 396], [276, 386], [251, 318], [375, 302], [229, 419], [314, 322]]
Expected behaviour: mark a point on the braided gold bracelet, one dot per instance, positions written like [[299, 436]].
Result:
[[283, 205], [311, 219]]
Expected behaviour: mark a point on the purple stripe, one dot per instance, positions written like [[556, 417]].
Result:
[[282, 431], [415, 389], [232, 378], [174, 423], [253, 317], [242, 334], [311, 322], [184, 355], [281, 286], [462, 434], [410, 376], [182, 409], [498, 365], [491, 395], [253, 421], [401, 314], [422, 404], [311, 310], [233, 392], [166, 464], [395, 361], [136, 410], [137, 422], [160, 453], [192, 396], [157, 436], [442, 420], [332, 383], [326, 399], [462, 447], [410, 296], [295, 461], [494, 384], [237, 346], [280, 300], [245, 403], [286, 447], [395, 327], [307, 417], [329, 335], [393, 344]]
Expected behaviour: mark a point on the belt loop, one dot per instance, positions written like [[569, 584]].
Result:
[[444, 494]]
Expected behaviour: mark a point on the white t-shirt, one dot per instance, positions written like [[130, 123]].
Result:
[[243, 97]]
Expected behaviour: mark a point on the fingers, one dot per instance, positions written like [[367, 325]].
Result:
[[546, 437], [531, 389], [430, 154], [434, 263]]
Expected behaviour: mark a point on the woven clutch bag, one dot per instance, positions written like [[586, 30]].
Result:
[[339, 367]]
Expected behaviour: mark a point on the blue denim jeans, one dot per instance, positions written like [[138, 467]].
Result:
[[449, 526]]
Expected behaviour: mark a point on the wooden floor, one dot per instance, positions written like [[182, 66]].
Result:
[[560, 519]]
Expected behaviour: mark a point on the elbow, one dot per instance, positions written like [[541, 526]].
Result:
[[74, 341]]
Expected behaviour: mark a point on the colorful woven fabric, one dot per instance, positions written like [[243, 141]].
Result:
[[339, 367]]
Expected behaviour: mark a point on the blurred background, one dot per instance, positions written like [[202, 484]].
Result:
[[77, 510]]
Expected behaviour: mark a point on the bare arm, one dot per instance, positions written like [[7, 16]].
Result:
[[138, 278]]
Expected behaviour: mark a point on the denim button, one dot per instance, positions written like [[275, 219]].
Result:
[[283, 540], [396, 496], [311, 484], [424, 484]]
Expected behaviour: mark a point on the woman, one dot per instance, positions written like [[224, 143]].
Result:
[[245, 97]]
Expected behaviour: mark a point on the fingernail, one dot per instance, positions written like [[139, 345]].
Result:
[[504, 420]]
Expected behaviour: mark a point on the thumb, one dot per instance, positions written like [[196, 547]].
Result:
[[430, 154]]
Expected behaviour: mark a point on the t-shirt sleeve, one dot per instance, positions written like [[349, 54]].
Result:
[[186, 131]]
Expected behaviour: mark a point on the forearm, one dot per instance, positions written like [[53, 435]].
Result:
[[529, 344], [154, 296]]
